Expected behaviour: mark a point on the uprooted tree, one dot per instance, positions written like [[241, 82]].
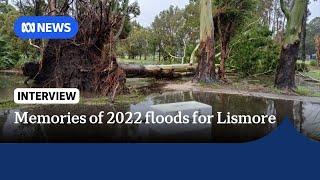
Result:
[[88, 61], [285, 75], [206, 65]]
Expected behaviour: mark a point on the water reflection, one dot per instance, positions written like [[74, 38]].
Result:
[[307, 119], [305, 114]]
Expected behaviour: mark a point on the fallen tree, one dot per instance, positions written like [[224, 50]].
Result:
[[157, 71]]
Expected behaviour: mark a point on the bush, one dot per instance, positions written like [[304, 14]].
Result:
[[313, 63], [255, 52], [8, 57]]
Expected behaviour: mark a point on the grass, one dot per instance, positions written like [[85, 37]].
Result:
[[131, 98], [276, 90], [137, 61], [8, 105], [314, 74], [148, 61], [304, 91], [136, 95], [308, 62]]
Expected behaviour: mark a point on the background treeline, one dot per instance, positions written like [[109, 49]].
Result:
[[253, 31], [248, 35], [13, 51]]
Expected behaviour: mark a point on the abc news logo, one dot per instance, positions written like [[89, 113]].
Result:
[[28, 27], [46, 27]]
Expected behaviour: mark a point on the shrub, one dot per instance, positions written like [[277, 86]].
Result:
[[255, 52], [8, 57], [313, 63]]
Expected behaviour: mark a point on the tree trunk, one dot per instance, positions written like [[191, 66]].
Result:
[[206, 67], [317, 42], [37, 12], [52, 7], [159, 55], [304, 35], [285, 75], [37, 8], [31, 70], [224, 57], [158, 71], [286, 70]]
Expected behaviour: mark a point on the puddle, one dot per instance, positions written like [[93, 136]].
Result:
[[305, 114]]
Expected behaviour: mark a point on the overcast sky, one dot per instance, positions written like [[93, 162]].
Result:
[[150, 8]]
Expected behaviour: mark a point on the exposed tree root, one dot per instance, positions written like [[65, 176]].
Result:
[[87, 62]]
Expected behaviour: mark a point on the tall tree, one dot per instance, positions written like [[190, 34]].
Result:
[[304, 34], [229, 16], [169, 27], [317, 42], [285, 75], [313, 30], [206, 67]]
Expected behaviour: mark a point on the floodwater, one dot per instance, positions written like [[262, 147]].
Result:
[[306, 116]]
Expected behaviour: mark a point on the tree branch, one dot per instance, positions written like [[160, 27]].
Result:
[[285, 9]]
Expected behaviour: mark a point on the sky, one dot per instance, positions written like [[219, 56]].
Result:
[[151, 8]]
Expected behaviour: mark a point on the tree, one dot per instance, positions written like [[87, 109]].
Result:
[[137, 42], [285, 75], [317, 42], [304, 34], [17, 49], [88, 61], [168, 27], [229, 16], [254, 51], [206, 65], [313, 30]]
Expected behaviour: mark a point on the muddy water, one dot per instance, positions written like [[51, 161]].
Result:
[[306, 116]]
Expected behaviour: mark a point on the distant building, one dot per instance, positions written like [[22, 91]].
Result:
[[311, 57]]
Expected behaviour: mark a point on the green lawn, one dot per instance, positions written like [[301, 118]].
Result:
[[308, 62], [314, 73], [148, 61], [138, 61]]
